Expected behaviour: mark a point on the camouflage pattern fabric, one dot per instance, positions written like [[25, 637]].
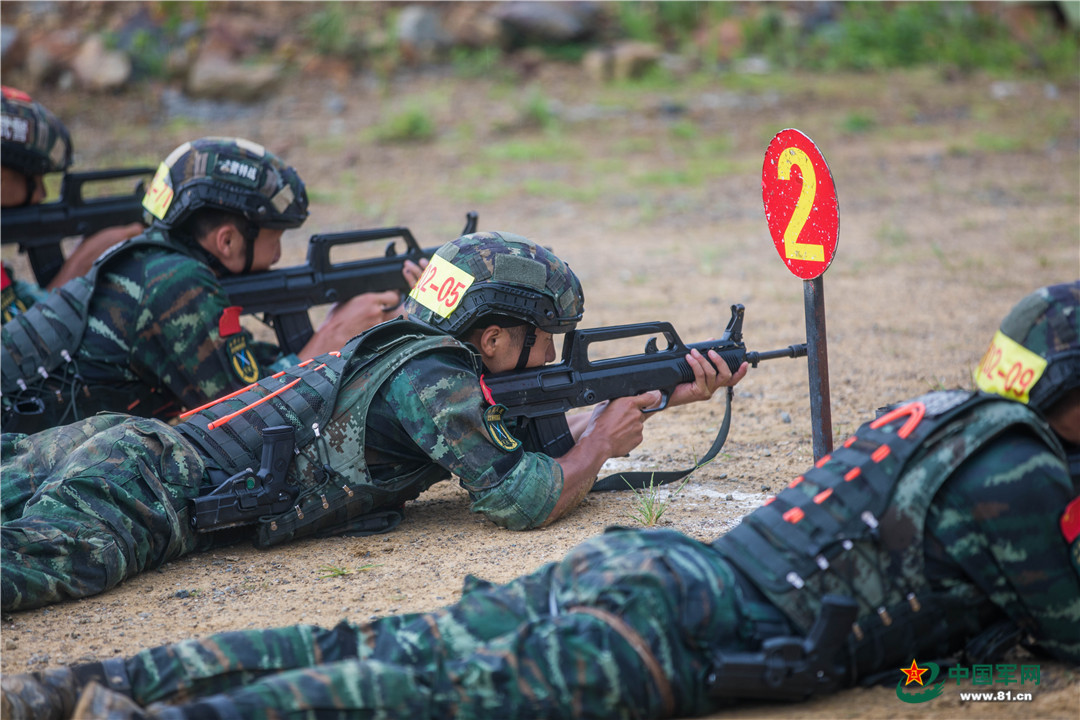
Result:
[[231, 174], [995, 538], [1046, 323], [155, 319], [157, 339], [87, 505], [532, 648], [525, 649], [511, 276], [33, 141], [432, 411]]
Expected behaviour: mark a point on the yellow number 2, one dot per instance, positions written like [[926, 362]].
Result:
[[793, 249]]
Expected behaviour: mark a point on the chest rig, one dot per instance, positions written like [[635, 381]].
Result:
[[322, 499], [39, 371], [854, 525]]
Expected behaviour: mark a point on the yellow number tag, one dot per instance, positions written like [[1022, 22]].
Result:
[[160, 195], [1009, 369], [441, 287]]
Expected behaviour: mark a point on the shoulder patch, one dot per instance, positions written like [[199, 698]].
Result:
[[229, 322], [493, 421], [243, 362], [1070, 521]]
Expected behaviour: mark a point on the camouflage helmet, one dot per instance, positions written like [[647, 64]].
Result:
[[1035, 355], [496, 273], [34, 142], [230, 174]]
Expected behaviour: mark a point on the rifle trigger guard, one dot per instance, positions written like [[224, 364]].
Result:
[[665, 396]]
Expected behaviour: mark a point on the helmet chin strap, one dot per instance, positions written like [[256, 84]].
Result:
[[526, 347], [31, 188], [249, 247]]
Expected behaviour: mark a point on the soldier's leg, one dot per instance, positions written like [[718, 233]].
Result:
[[115, 506], [574, 665], [220, 662], [625, 622], [27, 461]]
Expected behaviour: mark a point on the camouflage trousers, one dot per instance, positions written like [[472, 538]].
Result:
[[622, 627], [86, 505]]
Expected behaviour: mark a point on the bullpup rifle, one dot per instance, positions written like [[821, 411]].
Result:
[[283, 296], [537, 399], [38, 229]]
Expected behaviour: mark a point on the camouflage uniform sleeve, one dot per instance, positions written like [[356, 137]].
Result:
[[995, 522], [439, 403], [182, 338]]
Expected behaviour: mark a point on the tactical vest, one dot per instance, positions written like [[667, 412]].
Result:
[[854, 525], [39, 374], [229, 431]]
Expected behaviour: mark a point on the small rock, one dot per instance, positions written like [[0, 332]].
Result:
[[216, 76], [98, 68]]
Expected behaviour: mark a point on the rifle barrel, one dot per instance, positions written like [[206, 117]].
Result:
[[791, 351]]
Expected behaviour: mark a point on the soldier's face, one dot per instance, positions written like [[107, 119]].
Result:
[[1064, 417], [543, 351], [267, 249], [501, 348], [15, 188]]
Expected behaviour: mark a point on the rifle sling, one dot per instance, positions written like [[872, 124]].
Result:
[[639, 479]]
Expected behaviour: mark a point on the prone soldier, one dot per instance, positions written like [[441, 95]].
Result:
[[35, 143], [149, 330], [399, 408], [947, 524]]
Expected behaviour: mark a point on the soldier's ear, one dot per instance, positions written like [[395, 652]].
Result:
[[224, 242], [489, 341]]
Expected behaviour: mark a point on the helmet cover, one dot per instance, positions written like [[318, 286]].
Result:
[[33, 141], [1035, 355], [230, 174], [496, 273]]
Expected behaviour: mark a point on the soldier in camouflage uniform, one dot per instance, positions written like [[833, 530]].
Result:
[[34, 143], [396, 410], [939, 526], [149, 331]]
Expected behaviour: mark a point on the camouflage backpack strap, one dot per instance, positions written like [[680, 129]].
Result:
[[46, 337]]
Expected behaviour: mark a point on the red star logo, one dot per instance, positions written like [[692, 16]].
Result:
[[914, 673]]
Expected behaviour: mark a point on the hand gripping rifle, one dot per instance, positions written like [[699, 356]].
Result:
[[283, 296], [538, 398], [39, 228]]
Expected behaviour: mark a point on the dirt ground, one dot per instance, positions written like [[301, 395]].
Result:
[[956, 199]]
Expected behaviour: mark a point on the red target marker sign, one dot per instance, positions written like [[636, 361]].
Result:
[[800, 204]]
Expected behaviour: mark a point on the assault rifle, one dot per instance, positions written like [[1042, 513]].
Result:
[[283, 296], [536, 399], [39, 228]]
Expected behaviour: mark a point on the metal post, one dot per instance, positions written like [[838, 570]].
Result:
[[817, 356]]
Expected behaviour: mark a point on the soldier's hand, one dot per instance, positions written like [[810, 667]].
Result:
[[621, 422], [412, 271], [345, 320], [709, 376]]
